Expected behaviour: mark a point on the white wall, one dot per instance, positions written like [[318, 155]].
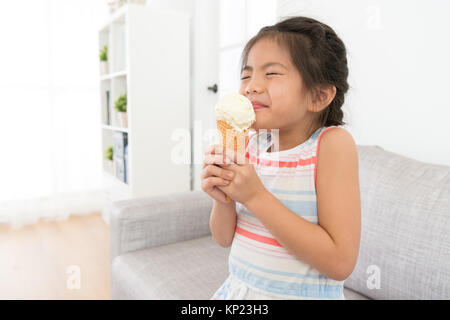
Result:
[[398, 53], [240, 20], [204, 29]]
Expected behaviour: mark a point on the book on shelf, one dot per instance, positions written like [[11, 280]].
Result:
[[126, 166], [120, 168], [120, 144], [120, 140], [108, 111]]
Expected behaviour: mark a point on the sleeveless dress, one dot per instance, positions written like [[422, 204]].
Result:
[[259, 266]]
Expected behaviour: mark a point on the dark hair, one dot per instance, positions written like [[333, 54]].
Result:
[[318, 54]]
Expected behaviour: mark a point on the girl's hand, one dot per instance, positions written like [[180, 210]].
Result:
[[213, 175], [246, 184]]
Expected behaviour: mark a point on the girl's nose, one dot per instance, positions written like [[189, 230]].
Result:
[[254, 87]]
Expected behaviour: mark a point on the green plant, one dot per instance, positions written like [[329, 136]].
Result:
[[121, 103], [109, 153], [104, 54]]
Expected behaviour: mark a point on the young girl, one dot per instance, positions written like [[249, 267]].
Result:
[[294, 222]]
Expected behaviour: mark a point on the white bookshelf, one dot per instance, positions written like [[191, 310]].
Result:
[[148, 59]]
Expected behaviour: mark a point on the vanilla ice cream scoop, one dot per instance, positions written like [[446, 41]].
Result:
[[236, 110]]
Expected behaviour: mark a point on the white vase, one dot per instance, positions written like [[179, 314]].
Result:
[[104, 67], [123, 119], [111, 166]]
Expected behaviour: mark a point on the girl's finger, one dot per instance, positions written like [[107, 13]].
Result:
[[212, 182], [219, 159], [212, 170], [219, 195]]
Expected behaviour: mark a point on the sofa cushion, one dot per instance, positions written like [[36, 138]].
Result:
[[193, 269], [349, 294], [405, 228]]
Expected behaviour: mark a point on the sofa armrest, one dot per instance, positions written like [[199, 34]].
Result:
[[141, 223]]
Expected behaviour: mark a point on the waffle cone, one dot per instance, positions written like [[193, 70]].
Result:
[[235, 140], [232, 139]]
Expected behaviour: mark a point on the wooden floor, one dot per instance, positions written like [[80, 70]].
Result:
[[35, 259]]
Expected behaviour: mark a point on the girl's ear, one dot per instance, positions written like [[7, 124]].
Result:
[[322, 95]]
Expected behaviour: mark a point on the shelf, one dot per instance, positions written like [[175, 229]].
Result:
[[105, 126], [136, 64], [117, 17], [112, 137], [113, 75], [115, 179]]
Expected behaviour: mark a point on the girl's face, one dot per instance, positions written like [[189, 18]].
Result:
[[270, 79]]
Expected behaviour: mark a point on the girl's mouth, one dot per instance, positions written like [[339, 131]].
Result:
[[257, 106]]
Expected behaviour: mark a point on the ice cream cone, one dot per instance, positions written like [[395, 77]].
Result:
[[233, 140], [234, 116]]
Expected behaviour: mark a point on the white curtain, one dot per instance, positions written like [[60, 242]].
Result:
[[50, 155]]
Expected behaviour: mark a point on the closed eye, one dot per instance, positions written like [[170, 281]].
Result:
[[267, 74]]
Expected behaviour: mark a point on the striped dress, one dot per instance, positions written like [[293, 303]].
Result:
[[259, 266]]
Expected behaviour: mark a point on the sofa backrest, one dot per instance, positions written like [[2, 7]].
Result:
[[405, 228]]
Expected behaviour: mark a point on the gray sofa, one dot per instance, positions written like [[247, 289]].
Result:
[[162, 248]]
